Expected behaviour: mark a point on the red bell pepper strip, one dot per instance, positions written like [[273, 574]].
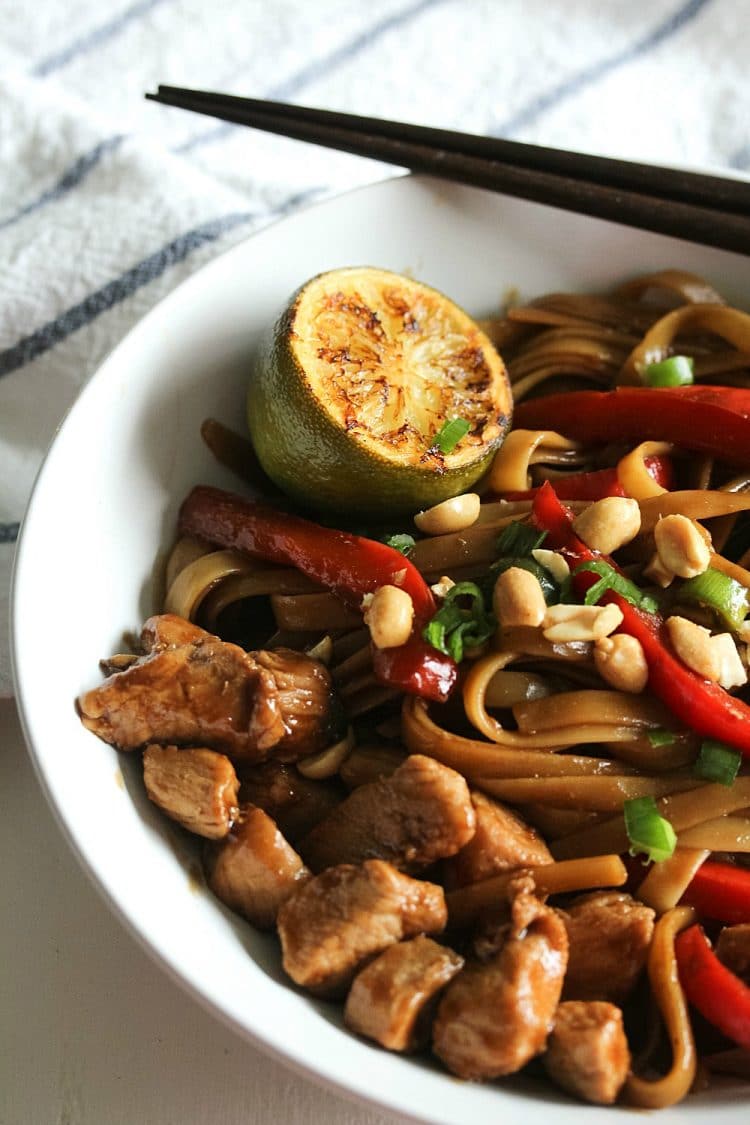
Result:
[[703, 706], [416, 668], [350, 566], [710, 987], [596, 485], [713, 420], [720, 891]]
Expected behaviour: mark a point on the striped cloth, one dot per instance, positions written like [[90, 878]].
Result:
[[107, 201]]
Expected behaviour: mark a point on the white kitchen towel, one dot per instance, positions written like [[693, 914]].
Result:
[[108, 201]]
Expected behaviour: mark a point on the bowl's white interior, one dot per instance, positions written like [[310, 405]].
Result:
[[103, 511]]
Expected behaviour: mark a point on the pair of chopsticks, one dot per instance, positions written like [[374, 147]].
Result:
[[706, 209]]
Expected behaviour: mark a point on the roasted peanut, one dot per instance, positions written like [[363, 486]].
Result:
[[692, 643], [733, 672], [389, 617], [681, 546], [609, 523], [518, 599], [620, 661], [563, 623], [455, 514], [656, 572], [327, 762], [442, 586], [554, 563]]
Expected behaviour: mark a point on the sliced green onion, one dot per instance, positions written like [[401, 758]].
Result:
[[677, 371], [520, 539], [659, 738], [450, 434], [456, 627], [401, 542], [650, 834], [609, 579], [717, 762], [717, 591]]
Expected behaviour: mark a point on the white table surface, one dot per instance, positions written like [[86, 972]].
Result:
[[92, 1032]]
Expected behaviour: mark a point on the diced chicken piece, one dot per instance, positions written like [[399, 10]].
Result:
[[610, 935], [346, 915], [421, 813], [370, 763], [392, 998], [191, 688], [733, 949], [587, 1052], [495, 1017], [197, 788], [501, 842], [254, 870], [295, 802]]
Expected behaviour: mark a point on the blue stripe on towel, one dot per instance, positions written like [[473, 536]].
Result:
[[69, 180], [590, 74], [95, 38], [147, 270], [9, 532], [343, 54]]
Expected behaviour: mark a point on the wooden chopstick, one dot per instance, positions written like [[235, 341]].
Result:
[[698, 207]]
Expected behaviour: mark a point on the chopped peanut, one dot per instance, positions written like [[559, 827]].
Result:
[[389, 617], [657, 572], [442, 586], [554, 563], [620, 661], [564, 623], [733, 673], [692, 643], [682, 546], [518, 599], [609, 523], [455, 514], [327, 762]]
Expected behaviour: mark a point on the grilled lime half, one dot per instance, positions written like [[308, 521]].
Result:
[[354, 384]]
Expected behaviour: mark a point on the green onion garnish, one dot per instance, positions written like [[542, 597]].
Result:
[[677, 371], [401, 542], [450, 434], [520, 539], [659, 738], [456, 627], [717, 591], [649, 833], [717, 762], [609, 579]]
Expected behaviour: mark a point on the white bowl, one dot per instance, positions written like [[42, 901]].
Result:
[[103, 510]]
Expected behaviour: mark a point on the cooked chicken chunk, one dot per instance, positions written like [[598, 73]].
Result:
[[733, 949], [370, 763], [610, 934], [392, 998], [587, 1052], [501, 842], [190, 688], [197, 788], [495, 1017], [254, 870], [347, 914], [421, 813], [295, 802]]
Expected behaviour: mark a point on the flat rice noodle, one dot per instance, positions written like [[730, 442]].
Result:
[[684, 811], [657, 344]]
